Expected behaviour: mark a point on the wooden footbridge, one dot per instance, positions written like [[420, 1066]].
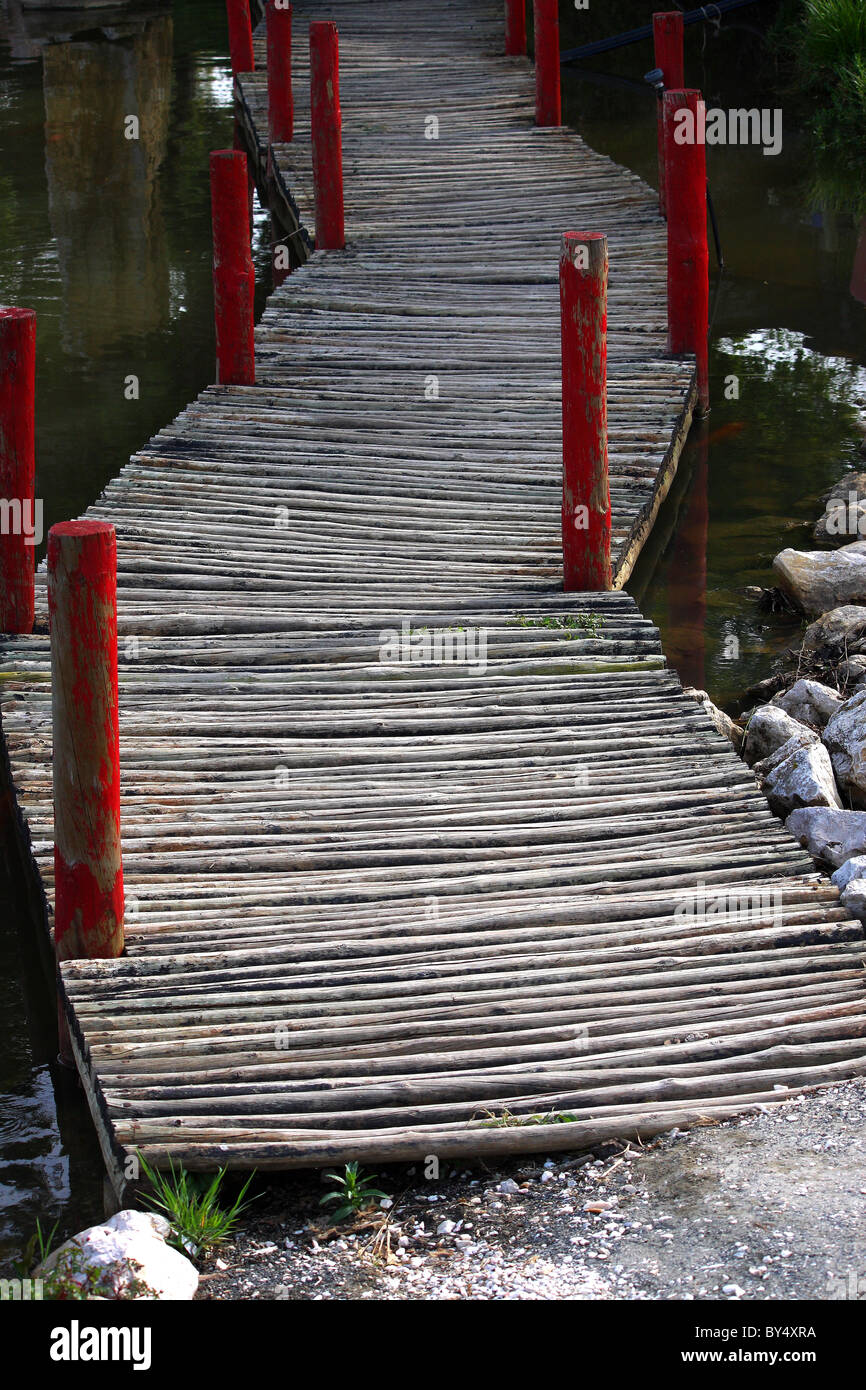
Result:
[[422, 854]]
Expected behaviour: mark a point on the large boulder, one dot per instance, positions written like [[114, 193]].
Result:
[[837, 632], [770, 727], [798, 774], [818, 580], [125, 1258], [845, 737], [830, 835], [722, 722], [844, 516], [810, 702]]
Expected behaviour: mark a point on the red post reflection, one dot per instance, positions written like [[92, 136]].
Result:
[[687, 574]]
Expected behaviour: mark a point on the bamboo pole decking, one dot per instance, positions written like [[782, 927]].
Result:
[[381, 906]]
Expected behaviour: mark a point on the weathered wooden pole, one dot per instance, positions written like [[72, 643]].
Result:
[[688, 255], [281, 111], [327, 138], [515, 27], [240, 36], [668, 39], [17, 468], [548, 109], [88, 870], [585, 487], [234, 276]]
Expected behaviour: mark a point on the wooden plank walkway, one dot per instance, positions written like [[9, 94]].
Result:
[[380, 908]]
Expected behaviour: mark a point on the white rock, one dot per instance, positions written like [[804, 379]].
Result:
[[508, 1185], [131, 1246], [770, 727], [853, 896], [797, 775], [445, 1228], [845, 737], [819, 580], [827, 834], [810, 702], [852, 868]]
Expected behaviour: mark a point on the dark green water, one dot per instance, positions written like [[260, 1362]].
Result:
[[109, 241]]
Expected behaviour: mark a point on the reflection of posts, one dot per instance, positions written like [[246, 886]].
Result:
[[103, 187], [88, 872], [687, 573], [668, 39], [17, 468], [858, 270]]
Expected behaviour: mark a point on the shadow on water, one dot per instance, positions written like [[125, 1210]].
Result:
[[789, 324]]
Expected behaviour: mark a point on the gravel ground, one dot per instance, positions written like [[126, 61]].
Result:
[[768, 1206]]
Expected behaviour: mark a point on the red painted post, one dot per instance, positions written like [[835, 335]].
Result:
[[668, 38], [585, 487], [234, 276], [88, 871], [548, 109], [240, 36], [515, 27], [327, 138], [281, 114], [688, 255], [17, 468]]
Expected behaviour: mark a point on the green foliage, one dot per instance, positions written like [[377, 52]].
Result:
[[37, 1249], [191, 1204], [353, 1192], [576, 624]]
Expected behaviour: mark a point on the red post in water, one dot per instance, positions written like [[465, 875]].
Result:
[[688, 256], [548, 110], [585, 487], [18, 511], [240, 36], [668, 38], [515, 27], [327, 137], [281, 112], [88, 870], [234, 277]]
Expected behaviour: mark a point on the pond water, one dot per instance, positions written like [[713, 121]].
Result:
[[109, 240]]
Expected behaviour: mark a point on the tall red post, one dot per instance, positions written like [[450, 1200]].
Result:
[[327, 138], [585, 486], [17, 468], [281, 113], [234, 276], [88, 870], [688, 255], [548, 108], [515, 27], [668, 39], [240, 36]]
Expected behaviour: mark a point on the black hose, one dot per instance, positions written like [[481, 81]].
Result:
[[698, 16]]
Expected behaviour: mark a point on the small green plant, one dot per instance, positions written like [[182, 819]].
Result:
[[37, 1249], [191, 1204], [575, 624], [507, 1120], [352, 1191]]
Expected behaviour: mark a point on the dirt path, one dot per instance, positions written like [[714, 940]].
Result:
[[770, 1206]]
